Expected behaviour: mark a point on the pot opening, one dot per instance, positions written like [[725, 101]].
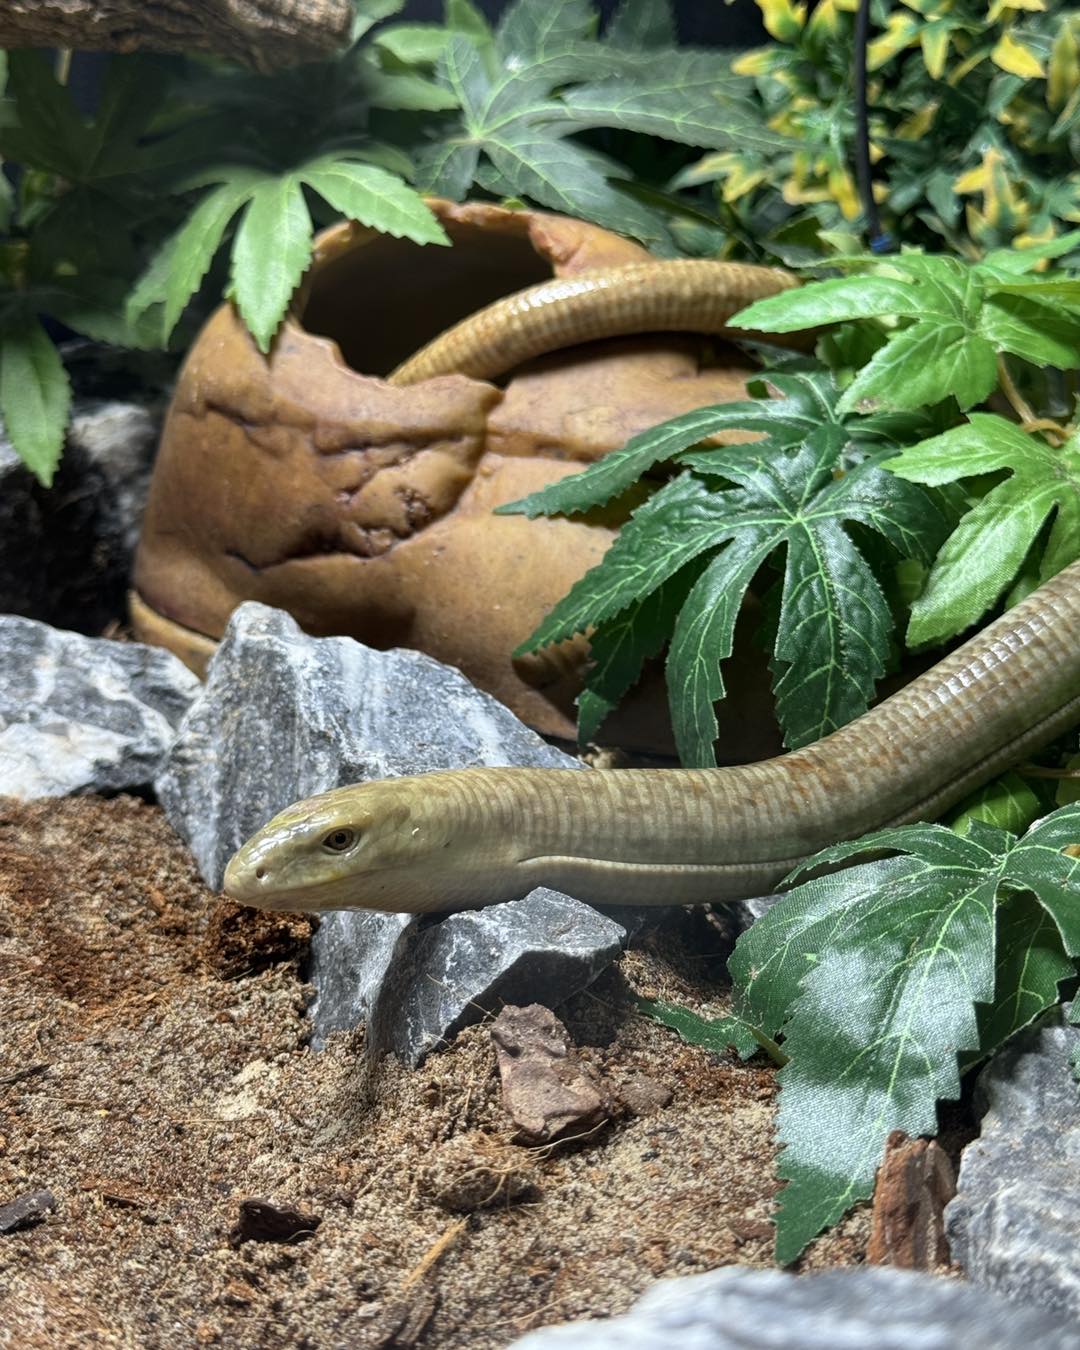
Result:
[[384, 299]]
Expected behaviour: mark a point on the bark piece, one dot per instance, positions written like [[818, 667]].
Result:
[[264, 34], [914, 1184], [546, 1088]]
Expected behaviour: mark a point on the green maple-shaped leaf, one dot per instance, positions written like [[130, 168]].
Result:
[[35, 396], [985, 552], [804, 403], [369, 12], [1007, 802], [620, 648], [272, 246], [48, 132], [87, 190], [545, 77], [528, 30], [512, 128], [98, 177], [270, 254], [957, 319], [690, 101], [1030, 965], [882, 975], [642, 25], [735, 508], [398, 84]]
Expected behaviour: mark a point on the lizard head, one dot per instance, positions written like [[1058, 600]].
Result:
[[383, 845]]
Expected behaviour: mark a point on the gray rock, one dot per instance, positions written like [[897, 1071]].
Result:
[[1014, 1223], [353, 952], [81, 714], [874, 1308], [537, 950], [747, 912], [116, 441], [65, 551], [283, 716]]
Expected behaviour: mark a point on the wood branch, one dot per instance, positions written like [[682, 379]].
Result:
[[263, 34]]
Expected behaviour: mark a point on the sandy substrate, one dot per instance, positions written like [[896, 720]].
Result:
[[154, 1075]]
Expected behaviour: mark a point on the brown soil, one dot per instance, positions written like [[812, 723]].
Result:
[[154, 1074]]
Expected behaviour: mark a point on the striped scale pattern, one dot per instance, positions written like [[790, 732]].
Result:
[[685, 295], [670, 836]]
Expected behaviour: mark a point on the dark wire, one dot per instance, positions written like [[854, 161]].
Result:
[[880, 240]]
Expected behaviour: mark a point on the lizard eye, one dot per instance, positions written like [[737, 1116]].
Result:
[[337, 841]]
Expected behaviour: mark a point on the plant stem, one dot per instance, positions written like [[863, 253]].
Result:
[[769, 1046]]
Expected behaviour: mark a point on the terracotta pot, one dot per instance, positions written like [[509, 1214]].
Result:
[[365, 509]]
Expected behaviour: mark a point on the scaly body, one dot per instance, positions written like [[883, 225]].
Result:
[[676, 836], [686, 295]]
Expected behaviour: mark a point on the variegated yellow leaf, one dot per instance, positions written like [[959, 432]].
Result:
[[783, 20], [973, 181], [1063, 77], [825, 20], [798, 194], [976, 224], [916, 126], [935, 50], [844, 193], [1033, 238], [1000, 7], [1011, 55], [960, 73], [1005, 209], [758, 62], [741, 179], [900, 32]]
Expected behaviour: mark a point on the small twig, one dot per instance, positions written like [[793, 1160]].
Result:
[[20, 1074], [437, 1249], [546, 1150]]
